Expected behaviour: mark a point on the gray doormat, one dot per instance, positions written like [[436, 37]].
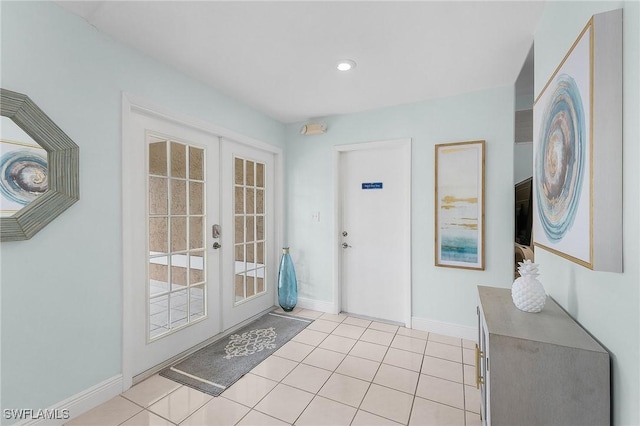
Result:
[[217, 366]]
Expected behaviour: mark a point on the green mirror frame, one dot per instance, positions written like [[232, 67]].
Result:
[[63, 168]]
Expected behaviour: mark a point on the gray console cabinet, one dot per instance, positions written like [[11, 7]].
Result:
[[538, 368]]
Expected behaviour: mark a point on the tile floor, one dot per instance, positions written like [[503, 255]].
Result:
[[340, 370]]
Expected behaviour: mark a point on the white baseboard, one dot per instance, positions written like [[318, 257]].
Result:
[[446, 328], [79, 403], [316, 305]]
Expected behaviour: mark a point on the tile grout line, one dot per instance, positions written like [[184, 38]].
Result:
[[154, 402], [370, 383], [378, 384], [284, 384], [316, 394], [415, 394], [130, 417]]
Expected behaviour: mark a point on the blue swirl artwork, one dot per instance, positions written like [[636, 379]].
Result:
[[23, 177], [561, 161]]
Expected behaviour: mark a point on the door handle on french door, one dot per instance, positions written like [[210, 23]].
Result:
[[215, 231], [216, 245], [345, 245]]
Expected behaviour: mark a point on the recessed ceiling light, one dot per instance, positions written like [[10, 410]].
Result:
[[346, 65]]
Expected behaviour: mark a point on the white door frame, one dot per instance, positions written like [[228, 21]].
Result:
[[133, 103], [338, 150]]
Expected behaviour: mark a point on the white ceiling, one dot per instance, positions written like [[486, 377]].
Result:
[[280, 57]]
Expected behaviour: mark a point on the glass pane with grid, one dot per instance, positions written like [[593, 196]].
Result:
[[250, 231], [176, 238]]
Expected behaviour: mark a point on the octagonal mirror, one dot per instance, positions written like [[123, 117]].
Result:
[[38, 168]]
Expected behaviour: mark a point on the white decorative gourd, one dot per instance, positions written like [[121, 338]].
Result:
[[527, 292]]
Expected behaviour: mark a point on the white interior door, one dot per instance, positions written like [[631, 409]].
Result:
[[174, 200], [375, 239], [248, 233]]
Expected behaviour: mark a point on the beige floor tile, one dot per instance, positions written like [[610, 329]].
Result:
[[377, 336], [249, 390], [345, 389], [441, 338], [359, 368], [469, 375], [383, 327], [388, 403], [256, 418], [380, 375], [281, 311], [441, 350], [442, 368], [473, 419], [323, 411], [274, 368], [151, 390], [357, 321], [348, 330], [307, 378], [323, 358], [323, 326], [410, 344], [468, 344], [472, 399], [217, 412], [397, 378], [337, 344], [441, 390], [310, 337], [404, 359], [147, 418], [308, 313], [431, 413], [285, 403], [334, 317], [412, 332], [469, 356], [112, 412], [363, 418], [369, 351], [294, 351], [180, 404]]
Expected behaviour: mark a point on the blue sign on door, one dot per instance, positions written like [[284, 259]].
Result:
[[371, 185]]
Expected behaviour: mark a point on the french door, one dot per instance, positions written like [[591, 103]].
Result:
[[199, 245], [249, 257], [176, 280]]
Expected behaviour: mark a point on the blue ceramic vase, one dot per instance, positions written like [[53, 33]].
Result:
[[287, 282]]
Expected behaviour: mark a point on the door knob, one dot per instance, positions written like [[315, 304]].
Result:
[[216, 245], [345, 245]]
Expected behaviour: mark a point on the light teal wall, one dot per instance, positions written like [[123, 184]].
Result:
[[606, 304], [61, 290], [441, 294]]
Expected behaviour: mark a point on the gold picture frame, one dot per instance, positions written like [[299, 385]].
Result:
[[459, 205]]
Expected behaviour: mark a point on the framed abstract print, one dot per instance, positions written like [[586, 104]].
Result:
[[577, 144], [459, 205]]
